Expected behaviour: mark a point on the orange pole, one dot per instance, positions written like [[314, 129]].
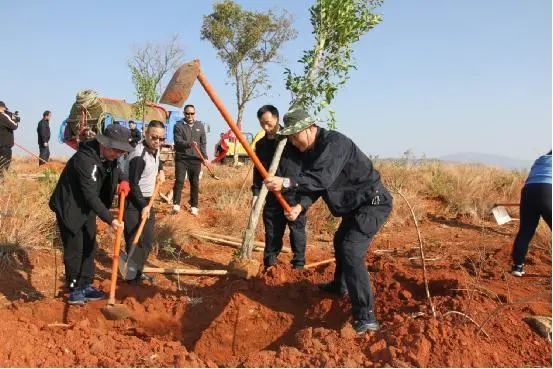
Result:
[[116, 247], [224, 112]]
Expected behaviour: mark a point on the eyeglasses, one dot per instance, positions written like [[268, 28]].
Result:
[[190, 113], [156, 138]]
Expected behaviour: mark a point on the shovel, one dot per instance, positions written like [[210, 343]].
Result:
[[113, 311], [127, 266], [197, 149], [500, 213]]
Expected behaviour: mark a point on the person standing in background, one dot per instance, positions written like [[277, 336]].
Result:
[[43, 132]]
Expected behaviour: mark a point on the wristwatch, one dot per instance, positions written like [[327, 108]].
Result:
[[286, 183]]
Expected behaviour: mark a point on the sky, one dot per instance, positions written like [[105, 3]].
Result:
[[436, 77]]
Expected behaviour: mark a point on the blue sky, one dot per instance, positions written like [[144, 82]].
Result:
[[436, 77]]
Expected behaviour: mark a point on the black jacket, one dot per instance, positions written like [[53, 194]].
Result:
[[136, 136], [7, 126], [43, 132], [289, 166], [87, 184], [336, 170], [183, 135]]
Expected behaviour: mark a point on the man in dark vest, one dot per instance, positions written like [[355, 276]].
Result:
[[334, 168]]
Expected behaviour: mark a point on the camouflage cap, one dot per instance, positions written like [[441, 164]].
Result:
[[296, 120]]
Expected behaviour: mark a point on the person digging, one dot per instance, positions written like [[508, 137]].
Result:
[[144, 169], [334, 168], [86, 189], [274, 220]]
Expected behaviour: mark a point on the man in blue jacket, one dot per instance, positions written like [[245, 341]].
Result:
[[535, 202], [334, 168]]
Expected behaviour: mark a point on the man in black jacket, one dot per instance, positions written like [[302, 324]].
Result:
[[136, 135], [274, 220], [187, 161], [86, 189], [334, 168], [7, 126], [43, 132]]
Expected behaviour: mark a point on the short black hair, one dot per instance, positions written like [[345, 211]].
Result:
[[132, 122], [2, 105], [267, 108], [156, 124], [189, 106], [46, 113]]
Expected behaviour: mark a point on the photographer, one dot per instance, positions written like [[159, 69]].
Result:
[[8, 123]]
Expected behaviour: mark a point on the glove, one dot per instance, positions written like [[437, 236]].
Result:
[[124, 187]]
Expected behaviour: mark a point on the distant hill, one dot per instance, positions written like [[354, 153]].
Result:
[[488, 159]]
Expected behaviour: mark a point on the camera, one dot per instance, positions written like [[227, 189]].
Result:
[[14, 116]]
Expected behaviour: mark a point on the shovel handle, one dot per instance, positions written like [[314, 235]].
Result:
[[197, 149], [143, 221], [226, 115], [116, 247]]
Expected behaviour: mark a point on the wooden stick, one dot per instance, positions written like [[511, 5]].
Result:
[[319, 263], [184, 271], [233, 243], [421, 249], [506, 204]]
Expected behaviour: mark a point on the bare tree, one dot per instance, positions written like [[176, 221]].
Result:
[[149, 64]]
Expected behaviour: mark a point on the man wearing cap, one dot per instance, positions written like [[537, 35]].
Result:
[[85, 190], [7, 126], [187, 161], [334, 168]]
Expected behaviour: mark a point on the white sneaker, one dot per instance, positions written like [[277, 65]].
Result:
[[194, 211], [176, 209]]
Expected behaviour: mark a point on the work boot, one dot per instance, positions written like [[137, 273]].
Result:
[[76, 296], [93, 294], [363, 325], [332, 287], [518, 270]]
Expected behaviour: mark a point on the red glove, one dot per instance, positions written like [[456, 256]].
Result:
[[124, 187]]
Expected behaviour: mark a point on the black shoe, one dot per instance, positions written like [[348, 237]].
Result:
[[93, 294], [148, 278], [331, 287], [361, 326], [270, 261]]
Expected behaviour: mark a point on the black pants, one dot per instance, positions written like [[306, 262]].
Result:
[[275, 224], [79, 249], [535, 202], [5, 159], [132, 220], [182, 168], [44, 154], [351, 242]]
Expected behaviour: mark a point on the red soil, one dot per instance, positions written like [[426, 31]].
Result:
[[280, 318]]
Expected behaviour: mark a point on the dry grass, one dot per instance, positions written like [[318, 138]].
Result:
[[25, 218], [450, 189]]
